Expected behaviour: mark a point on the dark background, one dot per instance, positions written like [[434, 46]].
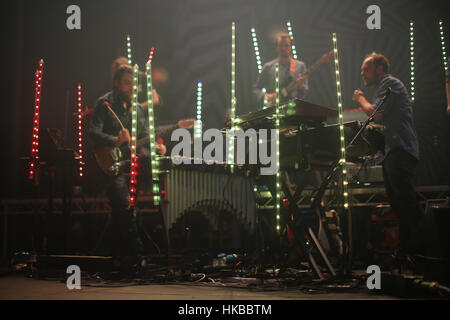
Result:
[[193, 42]]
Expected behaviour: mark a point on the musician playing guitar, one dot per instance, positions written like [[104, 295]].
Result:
[[111, 127], [293, 75], [289, 70]]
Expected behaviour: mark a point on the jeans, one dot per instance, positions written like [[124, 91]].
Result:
[[126, 240], [398, 172]]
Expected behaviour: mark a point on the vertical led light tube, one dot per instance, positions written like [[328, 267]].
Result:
[[258, 60], [152, 136], [291, 34], [256, 47], [150, 56], [341, 122], [80, 130], [129, 49], [265, 101], [134, 169], [230, 157], [411, 57], [442, 39], [198, 122], [277, 141], [34, 156]]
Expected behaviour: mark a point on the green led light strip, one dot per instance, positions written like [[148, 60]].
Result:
[[152, 136], [341, 122]]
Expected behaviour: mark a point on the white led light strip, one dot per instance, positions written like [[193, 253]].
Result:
[[257, 54], [198, 122], [230, 158], [277, 128], [129, 49], [291, 34], [411, 49], [442, 39]]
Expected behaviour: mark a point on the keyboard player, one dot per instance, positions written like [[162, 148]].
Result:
[[401, 145]]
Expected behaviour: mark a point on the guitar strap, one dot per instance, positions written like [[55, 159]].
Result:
[[292, 67], [106, 104]]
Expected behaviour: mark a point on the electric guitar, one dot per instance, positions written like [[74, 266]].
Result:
[[290, 85], [113, 160]]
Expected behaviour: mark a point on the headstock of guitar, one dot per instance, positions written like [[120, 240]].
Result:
[[326, 57]]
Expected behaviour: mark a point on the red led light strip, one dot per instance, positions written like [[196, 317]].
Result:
[[80, 131], [150, 56], [34, 157], [134, 164]]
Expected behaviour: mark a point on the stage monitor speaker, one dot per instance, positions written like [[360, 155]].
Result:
[[433, 238], [433, 249]]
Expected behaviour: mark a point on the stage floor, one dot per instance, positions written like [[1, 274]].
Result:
[[19, 287]]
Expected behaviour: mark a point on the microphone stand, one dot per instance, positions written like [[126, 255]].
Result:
[[316, 197], [369, 119]]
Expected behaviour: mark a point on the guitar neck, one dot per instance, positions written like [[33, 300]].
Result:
[[312, 68], [293, 84], [158, 132], [308, 71]]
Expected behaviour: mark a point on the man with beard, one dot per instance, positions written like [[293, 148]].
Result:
[[106, 131], [401, 145], [162, 130]]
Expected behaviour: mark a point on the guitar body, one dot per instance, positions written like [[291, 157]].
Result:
[[113, 160], [108, 159]]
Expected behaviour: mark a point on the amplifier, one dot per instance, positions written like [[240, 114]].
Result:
[[361, 174]]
